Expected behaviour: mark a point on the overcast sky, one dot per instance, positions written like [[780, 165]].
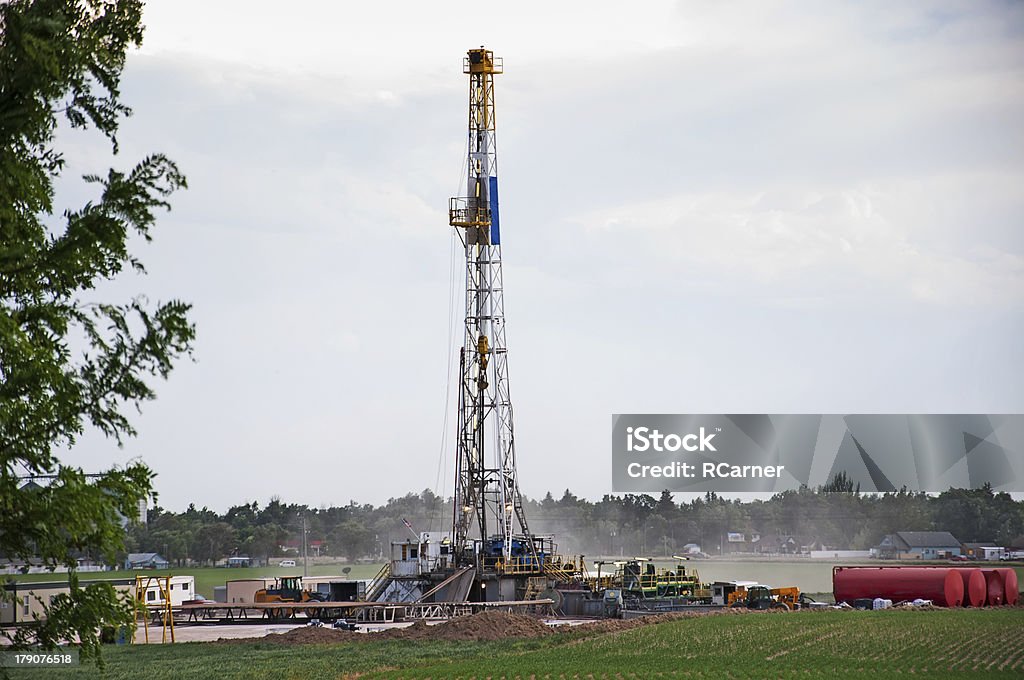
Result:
[[707, 207]]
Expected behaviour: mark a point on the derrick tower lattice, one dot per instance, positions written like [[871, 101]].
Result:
[[487, 503]]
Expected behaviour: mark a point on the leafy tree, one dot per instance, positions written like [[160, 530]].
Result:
[[978, 515], [266, 540], [68, 364], [666, 505], [213, 541], [354, 539], [841, 483]]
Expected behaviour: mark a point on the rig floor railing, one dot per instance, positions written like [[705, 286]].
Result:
[[378, 612]]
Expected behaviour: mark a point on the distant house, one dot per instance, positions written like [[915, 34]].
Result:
[[778, 545], [35, 565], [813, 545], [145, 561], [919, 545], [735, 542]]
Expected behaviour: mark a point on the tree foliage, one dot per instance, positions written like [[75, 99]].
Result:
[[67, 363]]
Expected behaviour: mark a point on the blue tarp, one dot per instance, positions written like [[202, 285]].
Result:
[[495, 223]]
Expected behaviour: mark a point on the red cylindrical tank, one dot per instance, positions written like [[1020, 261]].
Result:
[[944, 587], [994, 587], [1010, 586], [975, 589]]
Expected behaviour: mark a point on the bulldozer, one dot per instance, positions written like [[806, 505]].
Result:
[[287, 589], [763, 597]]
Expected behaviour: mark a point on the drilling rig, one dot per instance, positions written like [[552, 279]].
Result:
[[490, 553], [487, 501]]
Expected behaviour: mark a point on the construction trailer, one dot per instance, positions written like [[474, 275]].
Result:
[[337, 588], [30, 599], [181, 589], [243, 590]]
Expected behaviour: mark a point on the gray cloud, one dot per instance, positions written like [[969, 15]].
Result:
[[762, 207]]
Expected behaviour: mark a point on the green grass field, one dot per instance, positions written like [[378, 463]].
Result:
[[848, 644]]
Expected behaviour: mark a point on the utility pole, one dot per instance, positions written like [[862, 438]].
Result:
[[305, 555]]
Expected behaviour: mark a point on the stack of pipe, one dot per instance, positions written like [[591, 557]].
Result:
[[944, 586], [1006, 589], [994, 587], [997, 586], [975, 587], [1010, 587]]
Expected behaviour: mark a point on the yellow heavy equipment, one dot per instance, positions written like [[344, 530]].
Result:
[[286, 589], [791, 596], [763, 597]]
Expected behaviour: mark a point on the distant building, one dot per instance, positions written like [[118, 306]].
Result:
[[778, 545], [735, 542], [145, 561], [919, 545], [814, 544], [35, 565], [180, 588], [244, 589], [27, 600]]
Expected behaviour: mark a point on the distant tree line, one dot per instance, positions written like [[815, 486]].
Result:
[[836, 515]]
